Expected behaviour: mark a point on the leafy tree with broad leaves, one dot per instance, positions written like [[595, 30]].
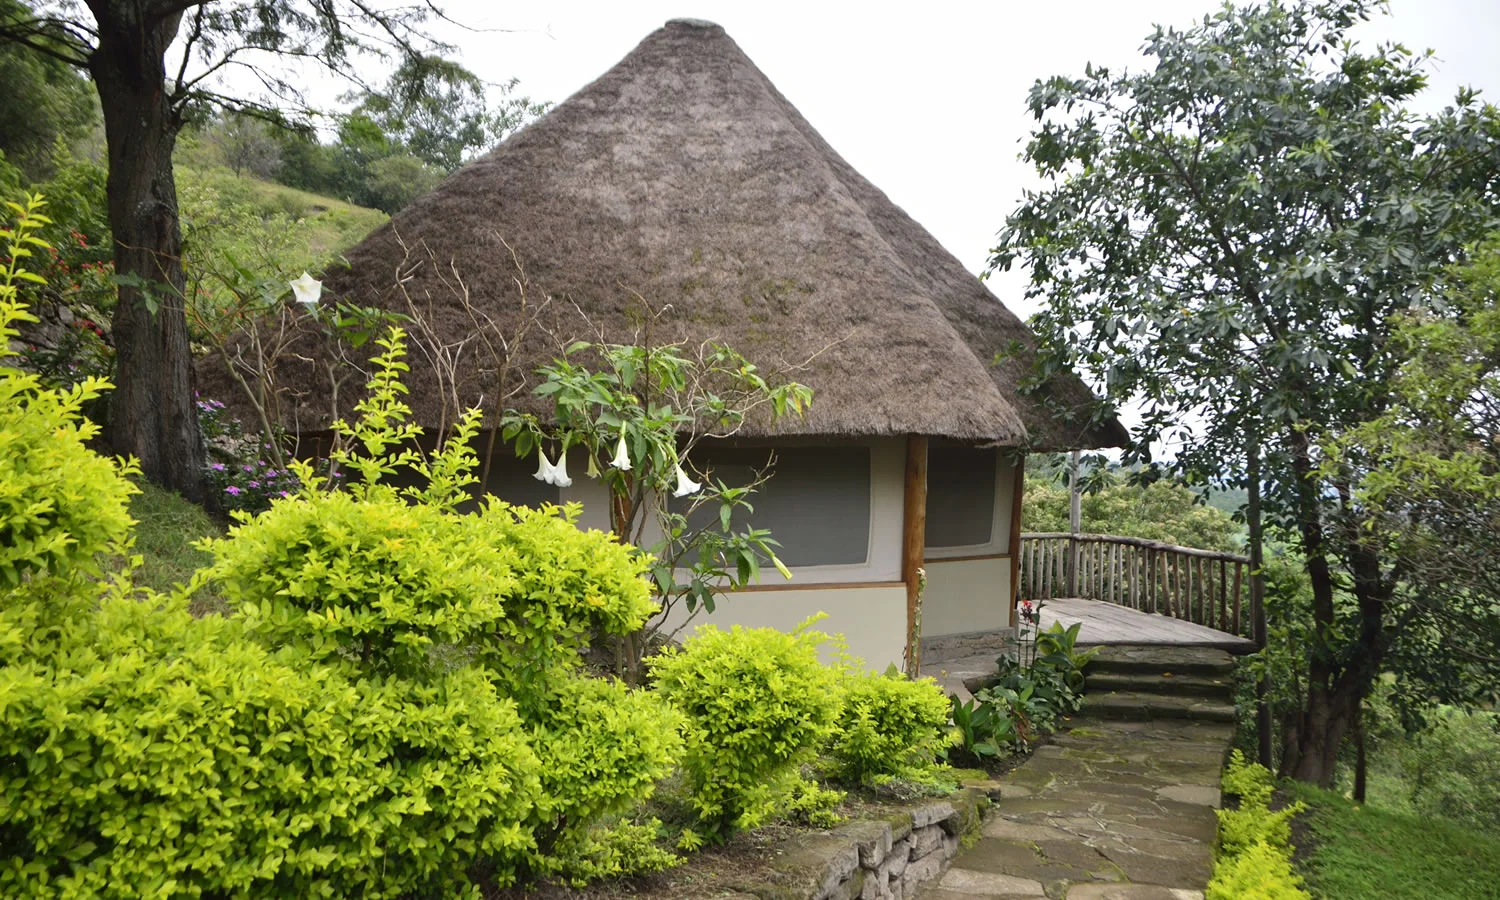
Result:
[[1427, 480], [151, 61], [1225, 239]]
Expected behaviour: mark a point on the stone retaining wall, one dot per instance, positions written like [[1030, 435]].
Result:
[[948, 647], [883, 859]]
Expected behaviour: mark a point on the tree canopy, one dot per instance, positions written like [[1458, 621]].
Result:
[[152, 61], [1226, 240]]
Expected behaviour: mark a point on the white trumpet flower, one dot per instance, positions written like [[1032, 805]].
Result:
[[622, 457], [545, 471], [560, 471], [685, 485], [307, 290]]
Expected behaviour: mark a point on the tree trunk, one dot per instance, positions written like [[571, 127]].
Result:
[[152, 415], [1336, 686], [1361, 762]]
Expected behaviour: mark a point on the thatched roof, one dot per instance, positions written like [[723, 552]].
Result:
[[684, 177]]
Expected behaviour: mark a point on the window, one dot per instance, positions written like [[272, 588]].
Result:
[[816, 503], [960, 496]]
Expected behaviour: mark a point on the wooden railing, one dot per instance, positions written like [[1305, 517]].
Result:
[[1200, 586]]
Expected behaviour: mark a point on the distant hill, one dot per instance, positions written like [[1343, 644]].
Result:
[[1230, 500], [328, 226]]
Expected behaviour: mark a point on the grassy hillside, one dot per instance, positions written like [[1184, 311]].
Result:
[[326, 227], [1350, 852]]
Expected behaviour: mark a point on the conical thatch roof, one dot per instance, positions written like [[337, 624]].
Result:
[[683, 176]]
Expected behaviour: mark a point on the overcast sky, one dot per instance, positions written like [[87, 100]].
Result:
[[927, 103]]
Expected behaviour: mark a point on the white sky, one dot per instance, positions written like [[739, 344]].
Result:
[[926, 100]]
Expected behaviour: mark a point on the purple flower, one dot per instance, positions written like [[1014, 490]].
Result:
[[232, 490], [283, 494], [253, 484], [249, 468], [217, 467]]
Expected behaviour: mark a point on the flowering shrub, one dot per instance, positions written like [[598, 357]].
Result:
[[238, 470]]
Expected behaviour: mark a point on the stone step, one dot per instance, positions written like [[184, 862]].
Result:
[[1157, 659], [1214, 687], [1134, 706]]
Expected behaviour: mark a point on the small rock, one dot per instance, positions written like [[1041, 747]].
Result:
[[925, 840], [931, 813], [872, 838]]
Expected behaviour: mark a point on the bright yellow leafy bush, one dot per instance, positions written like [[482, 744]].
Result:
[[61, 504], [160, 754], [1254, 853], [759, 704], [889, 726]]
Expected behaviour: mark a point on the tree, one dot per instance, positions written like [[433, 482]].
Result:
[[637, 411], [1224, 239], [394, 181], [125, 46], [44, 102], [1427, 479], [440, 113], [246, 144]]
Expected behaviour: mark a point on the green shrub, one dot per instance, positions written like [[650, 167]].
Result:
[[1254, 850], [1252, 822], [890, 725], [758, 704], [1240, 829], [574, 584], [374, 578], [168, 756], [618, 850], [61, 504], [603, 748], [1251, 782], [1261, 872]]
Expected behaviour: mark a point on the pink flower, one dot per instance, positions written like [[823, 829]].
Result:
[[232, 490]]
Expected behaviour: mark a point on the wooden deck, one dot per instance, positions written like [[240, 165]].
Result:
[[1103, 623], [1109, 623]]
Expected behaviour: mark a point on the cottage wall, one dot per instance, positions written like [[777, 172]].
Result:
[[968, 584]]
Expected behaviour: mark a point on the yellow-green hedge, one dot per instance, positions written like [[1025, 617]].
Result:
[[1254, 853]]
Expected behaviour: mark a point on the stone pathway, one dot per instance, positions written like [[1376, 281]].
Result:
[[1121, 805]]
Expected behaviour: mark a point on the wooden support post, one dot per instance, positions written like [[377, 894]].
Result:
[[1018, 492], [914, 544], [1258, 597]]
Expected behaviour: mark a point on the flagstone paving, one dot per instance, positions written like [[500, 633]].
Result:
[[1109, 810]]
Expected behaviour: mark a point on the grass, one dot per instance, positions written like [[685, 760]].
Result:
[[328, 228], [1351, 852], [167, 527]]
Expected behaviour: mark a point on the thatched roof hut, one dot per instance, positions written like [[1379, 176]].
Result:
[[682, 175], [683, 180]]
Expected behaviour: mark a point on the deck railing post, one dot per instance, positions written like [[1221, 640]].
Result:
[[1073, 560]]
